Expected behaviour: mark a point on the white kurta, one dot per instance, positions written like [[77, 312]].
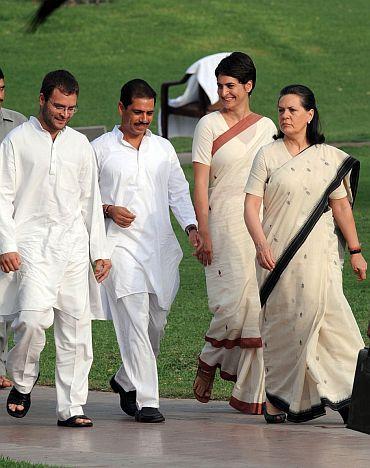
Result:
[[146, 255], [50, 212]]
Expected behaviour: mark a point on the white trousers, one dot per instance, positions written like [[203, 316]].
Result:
[[139, 323], [73, 345], [4, 333]]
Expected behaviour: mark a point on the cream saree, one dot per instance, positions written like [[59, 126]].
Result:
[[311, 339], [233, 341]]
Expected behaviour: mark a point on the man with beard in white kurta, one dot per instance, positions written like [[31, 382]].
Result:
[[51, 227], [140, 178]]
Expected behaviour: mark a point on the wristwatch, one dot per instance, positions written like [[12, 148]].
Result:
[[189, 228]]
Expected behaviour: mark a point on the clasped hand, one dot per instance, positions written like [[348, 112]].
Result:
[[121, 216], [10, 261]]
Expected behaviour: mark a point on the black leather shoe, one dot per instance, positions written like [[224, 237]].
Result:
[[149, 415], [127, 399]]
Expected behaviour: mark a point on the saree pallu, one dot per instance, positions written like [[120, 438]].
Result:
[[233, 341], [310, 336]]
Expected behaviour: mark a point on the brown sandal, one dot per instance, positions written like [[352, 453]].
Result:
[[205, 378]]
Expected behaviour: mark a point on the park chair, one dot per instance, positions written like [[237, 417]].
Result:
[[92, 132], [179, 116]]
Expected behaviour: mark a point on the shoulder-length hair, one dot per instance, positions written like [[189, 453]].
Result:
[[313, 130]]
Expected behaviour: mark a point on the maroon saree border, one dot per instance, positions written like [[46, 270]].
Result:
[[245, 407], [232, 132], [229, 344]]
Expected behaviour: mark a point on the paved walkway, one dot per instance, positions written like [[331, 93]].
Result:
[[194, 435]]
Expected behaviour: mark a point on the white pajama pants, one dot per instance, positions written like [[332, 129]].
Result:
[[139, 323], [73, 345], [4, 333]]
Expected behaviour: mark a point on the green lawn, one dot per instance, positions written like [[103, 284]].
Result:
[[321, 44], [8, 463]]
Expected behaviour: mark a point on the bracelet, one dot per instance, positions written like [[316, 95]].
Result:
[[355, 251], [106, 211], [189, 228]]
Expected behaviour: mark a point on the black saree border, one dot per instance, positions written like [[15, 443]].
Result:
[[316, 411], [270, 282]]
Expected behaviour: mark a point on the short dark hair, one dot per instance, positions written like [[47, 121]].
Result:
[[136, 88], [238, 65], [313, 131], [1, 74], [60, 79]]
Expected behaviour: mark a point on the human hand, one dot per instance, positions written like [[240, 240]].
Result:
[[359, 266], [10, 261], [205, 252], [101, 269], [196, 241], [264, 255], [121, 216]]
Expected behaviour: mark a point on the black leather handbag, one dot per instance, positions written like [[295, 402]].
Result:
[[359, 411]]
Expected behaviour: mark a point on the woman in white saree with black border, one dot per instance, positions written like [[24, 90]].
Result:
[[310, 337]]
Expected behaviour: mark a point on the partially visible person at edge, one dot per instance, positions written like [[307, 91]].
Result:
[[9, 119], [51, 228], [311, 339], [140, 178], [225, 144]]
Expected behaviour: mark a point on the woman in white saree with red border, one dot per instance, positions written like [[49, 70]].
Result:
[[225, 144]]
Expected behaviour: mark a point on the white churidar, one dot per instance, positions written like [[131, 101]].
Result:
[[139, 323], [74, 356]]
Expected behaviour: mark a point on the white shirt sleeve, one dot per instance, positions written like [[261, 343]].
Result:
[[179, 194], [258, 176], [7, 197], [92, 210]]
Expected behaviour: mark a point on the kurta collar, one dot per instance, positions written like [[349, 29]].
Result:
[[36, 123], [119, 134]]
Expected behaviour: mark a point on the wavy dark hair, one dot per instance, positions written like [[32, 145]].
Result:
[[59, 79], [136, 88], [313, 131], [238, 65]]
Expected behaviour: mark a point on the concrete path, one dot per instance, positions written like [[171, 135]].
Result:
[[194, 435]]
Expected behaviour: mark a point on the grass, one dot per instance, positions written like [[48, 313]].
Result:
[[6, 462], [323, 45]]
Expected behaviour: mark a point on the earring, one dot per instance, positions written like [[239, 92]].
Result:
[[308, 123]]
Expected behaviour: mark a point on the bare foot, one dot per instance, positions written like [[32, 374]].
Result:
[[14, 408], [5, 382], [271, 409]]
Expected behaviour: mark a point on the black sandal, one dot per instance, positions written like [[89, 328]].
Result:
[[273, 418], [71, 422], [19, 399]]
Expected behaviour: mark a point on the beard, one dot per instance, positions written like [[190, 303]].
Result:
[[49, 119]]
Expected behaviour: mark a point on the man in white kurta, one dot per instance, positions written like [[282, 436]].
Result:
[[51, 230], [140, 178]]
